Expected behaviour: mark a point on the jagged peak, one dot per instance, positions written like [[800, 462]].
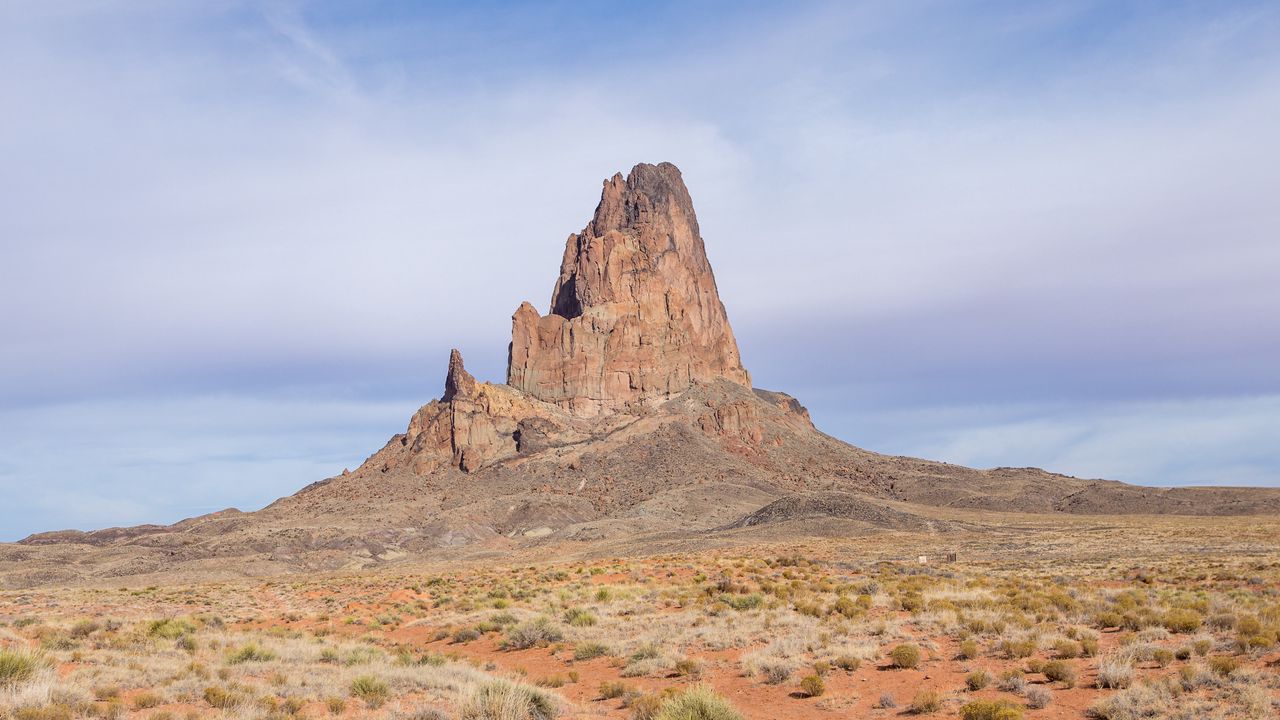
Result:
[[457, 381], [635, 315]]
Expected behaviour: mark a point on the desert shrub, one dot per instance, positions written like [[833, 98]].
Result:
[[1162, 656], [1012, 681], [1182, 620], [990, 710], [555, 681], [1221, 621], [83, 629], [647, 651], [1039, 697], [1250, 643], [17, 666], [926, 701], [1106, 620], [336, 705], [848, 662], [170, 628], [1060, 671], [1066, 649], [1115, 673], [775, 671], [1202, 646], [506, 700], [1136, 703], [1248, 625], [905, 656], [969, 649], [371, 690], [846, 606], [466, 634], [1088, 645], [615, 689], [56, 711], [577, 617], [1223, 665], [911, 602], [643, 705], [822, 667], [978, 679], [589, 650], [744, 602], [1014, 648], [697, 703], [887, 700], [532, 634], [1190, 678], [222, 698], [688, 667], [813, 685], [250, 652], [146, 700]]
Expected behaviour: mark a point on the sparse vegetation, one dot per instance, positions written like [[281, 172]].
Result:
[[977, 680], [990, 710], [532, 634], [926, 701], [250, 652], [504, 700], [813, 685], [1039, 697], [509, 642], [17, 667], [373, 691], [905, 656], [1060, 671], [697, 703]]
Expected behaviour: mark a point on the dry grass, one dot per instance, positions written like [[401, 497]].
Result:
[[622, 638]]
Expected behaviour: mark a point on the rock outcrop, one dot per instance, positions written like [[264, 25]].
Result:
[[635, 315], [635, 321], [475, 424]]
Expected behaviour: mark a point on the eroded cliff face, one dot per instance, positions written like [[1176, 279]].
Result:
[[635, 315]]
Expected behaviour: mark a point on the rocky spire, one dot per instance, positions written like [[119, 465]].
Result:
[[458, 381], [635, 314]]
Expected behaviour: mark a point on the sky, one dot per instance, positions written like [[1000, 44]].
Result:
[[237, 240]]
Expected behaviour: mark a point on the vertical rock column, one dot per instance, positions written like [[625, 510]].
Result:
[[635, 315]]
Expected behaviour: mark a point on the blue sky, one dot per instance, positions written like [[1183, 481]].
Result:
[[237, 240]]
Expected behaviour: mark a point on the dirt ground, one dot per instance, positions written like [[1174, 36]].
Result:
[[1051, 617]]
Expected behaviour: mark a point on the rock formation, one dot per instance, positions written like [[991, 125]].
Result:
[[474, 424], [635, 315], [635, 321]]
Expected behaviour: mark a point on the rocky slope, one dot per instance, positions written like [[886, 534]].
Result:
[[627, 416]]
